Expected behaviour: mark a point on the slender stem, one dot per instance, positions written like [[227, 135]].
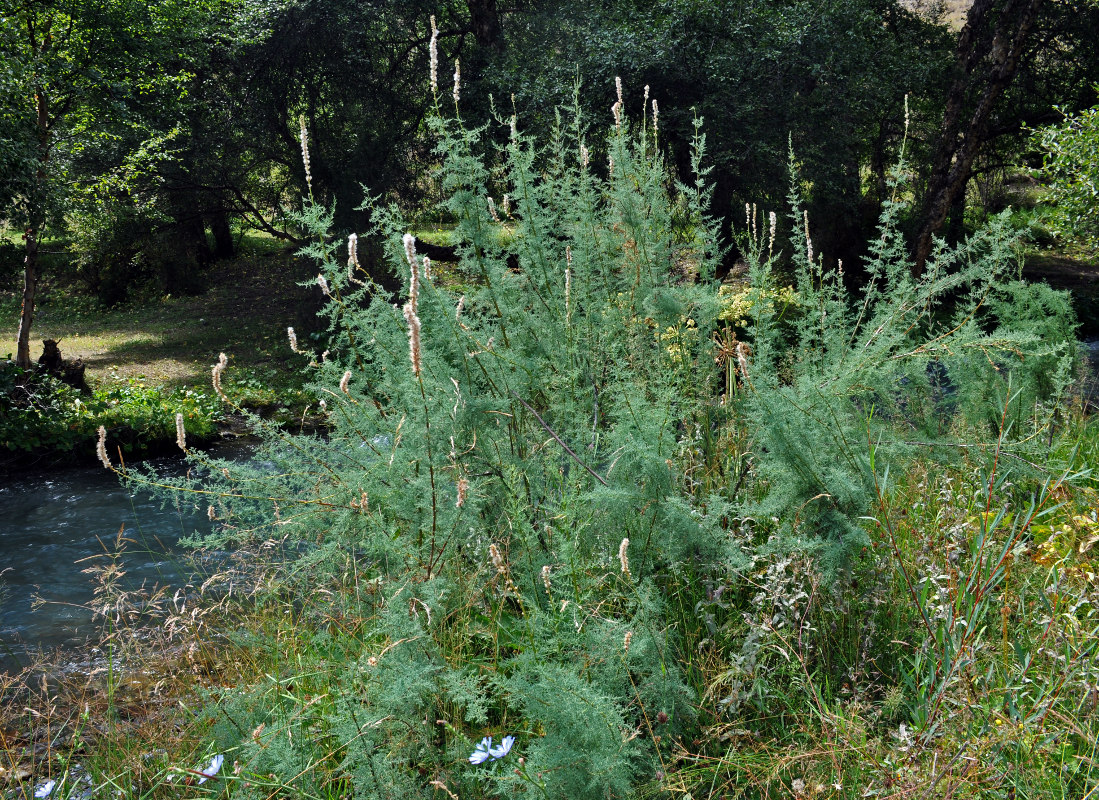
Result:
[[567, 449]]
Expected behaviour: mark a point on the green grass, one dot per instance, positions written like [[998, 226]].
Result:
[[174, 341]]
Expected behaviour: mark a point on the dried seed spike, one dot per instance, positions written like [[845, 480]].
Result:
[[433, 53], [742, 353], [305, 152], [497, 559], [414, 272], [413, 321], [808, 241], [101, 448], [223, 362], [353, 258], [344, 381], [624, 558]]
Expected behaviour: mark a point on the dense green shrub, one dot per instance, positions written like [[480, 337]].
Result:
[[524, 517], [1072, 168], [960, 358]]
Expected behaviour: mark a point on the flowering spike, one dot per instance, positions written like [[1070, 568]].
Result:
[[101, 448], [353, 258], [305, 153], [433, 51], [413, 321], [808, 241]]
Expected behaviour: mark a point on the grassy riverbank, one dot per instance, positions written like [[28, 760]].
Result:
[[150, 358]]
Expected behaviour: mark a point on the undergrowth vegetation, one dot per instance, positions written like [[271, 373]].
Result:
[[41, 415], [827, 543]]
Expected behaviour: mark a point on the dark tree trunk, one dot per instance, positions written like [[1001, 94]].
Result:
[[186, 251], [223, 235], [994, 39], [485, 21]]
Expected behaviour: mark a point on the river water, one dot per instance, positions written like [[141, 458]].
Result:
[[53, 526]]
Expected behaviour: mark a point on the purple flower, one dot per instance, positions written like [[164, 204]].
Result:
[[481, 754], [212, 768], [485, 750], [503, 749]]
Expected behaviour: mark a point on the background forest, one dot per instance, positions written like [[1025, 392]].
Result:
[[145, 134], [688, 424]]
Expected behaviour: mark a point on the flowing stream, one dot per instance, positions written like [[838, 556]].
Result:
[[54, 526]]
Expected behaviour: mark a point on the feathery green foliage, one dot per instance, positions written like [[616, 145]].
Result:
[[902, 366], [527, 518]]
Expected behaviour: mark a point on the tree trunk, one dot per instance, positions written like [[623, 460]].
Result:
[[30, 287], [35, 224], [184, 251], [999, 41], [223, 234], [485, 21]]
